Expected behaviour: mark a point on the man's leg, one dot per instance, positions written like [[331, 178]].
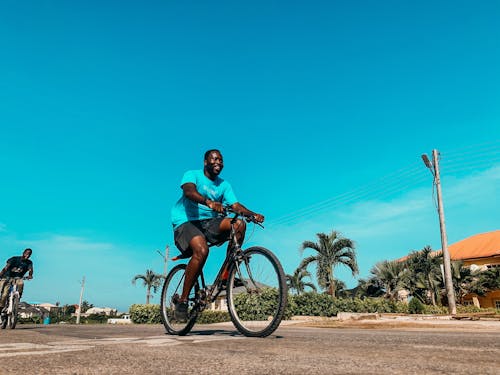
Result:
[[240, 227], [199, 246], [20, 287]]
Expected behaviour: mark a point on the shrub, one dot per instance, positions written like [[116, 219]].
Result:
[[470, 309], [435, 310], [96, 318], [150, 314], [145, 314], [256, 306], [415, 306], [210, 316], [315, 304]]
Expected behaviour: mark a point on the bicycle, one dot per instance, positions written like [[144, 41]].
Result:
[[8, 315], [252, 279]]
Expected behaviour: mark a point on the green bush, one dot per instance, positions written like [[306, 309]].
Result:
[[315, 304], [415, 306], [143, 314], [256, 306], [470, 309], [434, 310], [95, 318], [150, 314], [210, 316]]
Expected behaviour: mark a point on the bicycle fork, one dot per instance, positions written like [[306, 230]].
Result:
[[240, 259]]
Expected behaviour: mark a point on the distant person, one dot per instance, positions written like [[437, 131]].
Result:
[[197, 221], [16, 267]]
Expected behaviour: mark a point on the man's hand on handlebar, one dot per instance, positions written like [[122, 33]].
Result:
[[245, 213], [216, 206], [258, 218]]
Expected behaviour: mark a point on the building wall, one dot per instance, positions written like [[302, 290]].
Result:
[[490, 300], [482, 262]]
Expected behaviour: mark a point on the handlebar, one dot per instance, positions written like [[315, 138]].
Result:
[[248, 218], [16, 278]]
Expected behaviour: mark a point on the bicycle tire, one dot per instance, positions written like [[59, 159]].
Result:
[[172, 289], [12, 320], [257, 304]]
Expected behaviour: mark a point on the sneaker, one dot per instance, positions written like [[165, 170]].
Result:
[[181, 311]]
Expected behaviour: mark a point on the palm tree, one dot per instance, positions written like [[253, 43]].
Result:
[[491, 278], [150, 280], [296, 281], [390, 277], [332, 250], [425, 280], [368, 288], [341, 289], [464, 279], [485, 281]]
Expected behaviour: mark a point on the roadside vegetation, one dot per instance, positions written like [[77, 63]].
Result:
[[411, 285], [416, 278], [150, 280]]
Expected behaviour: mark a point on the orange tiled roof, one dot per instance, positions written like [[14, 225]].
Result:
[[479, 246]]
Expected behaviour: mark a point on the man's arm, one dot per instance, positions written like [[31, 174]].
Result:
[[191, 193], [2, 272], [245, 211], [30, 272]]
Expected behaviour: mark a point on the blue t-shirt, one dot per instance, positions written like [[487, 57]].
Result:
[[217, 191]]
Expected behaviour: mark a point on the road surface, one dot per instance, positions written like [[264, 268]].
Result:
[[219, 349]]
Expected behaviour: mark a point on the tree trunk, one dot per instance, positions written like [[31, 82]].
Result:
[[332, 289], [148, 294], [431, 290]]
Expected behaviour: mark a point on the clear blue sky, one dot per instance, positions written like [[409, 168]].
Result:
[[321, 110]]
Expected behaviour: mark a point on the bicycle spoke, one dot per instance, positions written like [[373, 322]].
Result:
[[171, 292], [257, 310]]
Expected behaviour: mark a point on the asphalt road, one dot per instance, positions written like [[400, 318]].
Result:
[[219, 349]]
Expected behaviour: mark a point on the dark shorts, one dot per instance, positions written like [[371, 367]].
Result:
[[209, 229]]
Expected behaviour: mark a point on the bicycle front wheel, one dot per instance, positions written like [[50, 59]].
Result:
[[5, 318], [257, 293], [170, 294], [12, 320]]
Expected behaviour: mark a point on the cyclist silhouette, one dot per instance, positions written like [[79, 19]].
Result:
[[16, 267]]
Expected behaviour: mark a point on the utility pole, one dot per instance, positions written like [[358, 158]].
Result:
[[80, 304], [165, 258], [434, 167]]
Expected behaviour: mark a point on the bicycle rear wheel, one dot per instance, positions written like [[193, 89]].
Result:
[[12, 320], [257, 293], [3, 325], [170, 294]]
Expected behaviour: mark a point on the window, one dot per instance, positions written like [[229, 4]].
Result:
[[497, 304], [469, 302]]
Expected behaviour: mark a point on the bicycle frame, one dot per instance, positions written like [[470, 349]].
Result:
[[12, 293], [9, 312], [234, 254], [247, 276]]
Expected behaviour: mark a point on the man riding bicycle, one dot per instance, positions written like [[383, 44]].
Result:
[[195, 225], [16, 267]]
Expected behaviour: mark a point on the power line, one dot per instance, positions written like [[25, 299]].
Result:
[[397, 182]]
